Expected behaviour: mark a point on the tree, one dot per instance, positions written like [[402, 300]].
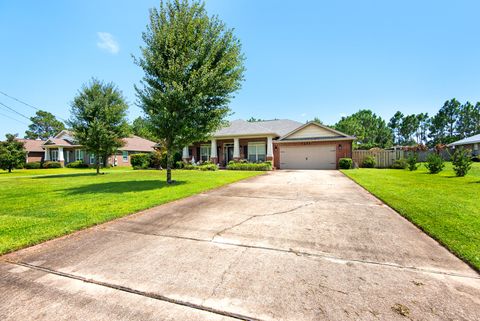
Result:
[[141, 127], [12, 153], [99, 119], [424, 123], [444, 123], [468, 123], [395, 123], [370, 129], [408, 129], [317, 120], [254, 120], [193, 64], [44, 125]]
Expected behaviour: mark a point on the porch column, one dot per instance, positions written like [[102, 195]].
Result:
[[61, 159], [46, 156], [236, 148], [185, 154], [213, 152], [269, 149]]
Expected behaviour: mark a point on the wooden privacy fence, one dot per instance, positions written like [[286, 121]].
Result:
[[384, 158]]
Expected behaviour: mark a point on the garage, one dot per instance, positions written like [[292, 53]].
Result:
[[308, 157]]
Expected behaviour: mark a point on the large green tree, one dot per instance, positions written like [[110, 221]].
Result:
[[43, 126], [141, 127], [444, 124], [468, 123], [193, 64], [395, 123], [370, 129], [12, 153], [98, 119]]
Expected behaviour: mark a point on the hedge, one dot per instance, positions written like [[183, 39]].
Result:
[[52, 165], [33, 165], [77, 164], [140, 161], [266, 166]]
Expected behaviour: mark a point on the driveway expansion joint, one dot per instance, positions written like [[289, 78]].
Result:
[[312, 255], [137, 292]]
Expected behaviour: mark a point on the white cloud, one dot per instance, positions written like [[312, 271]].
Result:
[[107, 42]]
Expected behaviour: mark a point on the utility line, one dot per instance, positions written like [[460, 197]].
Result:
[[16, 112], [21, 122], [20, 101], [26, 104]]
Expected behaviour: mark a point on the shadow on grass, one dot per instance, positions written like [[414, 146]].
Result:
[[66, 175], [120, 187]]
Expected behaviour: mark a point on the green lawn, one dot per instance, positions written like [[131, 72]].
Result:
[[444, 206], [37, 205]]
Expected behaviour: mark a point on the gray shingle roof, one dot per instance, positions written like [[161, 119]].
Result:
[[466, 141], [278, 127]]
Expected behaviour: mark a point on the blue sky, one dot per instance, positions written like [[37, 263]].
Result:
[[304, 58]]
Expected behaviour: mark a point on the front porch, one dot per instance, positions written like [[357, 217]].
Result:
[[222, 150], [64, 155]]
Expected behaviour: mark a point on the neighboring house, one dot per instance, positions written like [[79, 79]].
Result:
[[471, 143], [34, 149], [287, 143], [62, 148]]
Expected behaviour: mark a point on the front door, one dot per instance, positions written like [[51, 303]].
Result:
[[228, 153]]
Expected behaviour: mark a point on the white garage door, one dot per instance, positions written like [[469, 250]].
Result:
[[308, 157]]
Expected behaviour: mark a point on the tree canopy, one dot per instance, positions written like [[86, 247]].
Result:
[[370, 129], [142, 128], [43, 126], [98, 119], [192, 66], [12, 153]]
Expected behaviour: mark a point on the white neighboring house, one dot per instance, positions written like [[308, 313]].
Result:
[[472, 143]]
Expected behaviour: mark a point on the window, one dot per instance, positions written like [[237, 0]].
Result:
[[125, 156], [256, 152], [54, 155], [78, 154], [92, 158], [205, 153]]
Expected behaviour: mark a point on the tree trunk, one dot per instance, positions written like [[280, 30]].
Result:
[[98, 164], [169, 168], [9, 169]]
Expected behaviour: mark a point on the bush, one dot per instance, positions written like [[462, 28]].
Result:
[[180, 164], [249, 166], [412, 162], [203, 167], [34, 165], [476, 159], [461, 161], [140, 161], [52, 165], [369, 162], [400, 164], [345, 163], [77, 164], [434, 163]]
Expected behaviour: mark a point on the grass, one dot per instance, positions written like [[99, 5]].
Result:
[[444, 206], [37, 205]]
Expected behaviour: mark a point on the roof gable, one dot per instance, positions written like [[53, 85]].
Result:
[[314, 130]]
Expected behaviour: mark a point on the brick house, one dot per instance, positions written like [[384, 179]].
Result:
[[287, 143], [62, 148]]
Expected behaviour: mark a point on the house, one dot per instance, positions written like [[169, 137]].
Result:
[[34, 149], [63, 148], [288, 144], [472, 143]]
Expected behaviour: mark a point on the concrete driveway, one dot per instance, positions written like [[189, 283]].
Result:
[[288, 245]]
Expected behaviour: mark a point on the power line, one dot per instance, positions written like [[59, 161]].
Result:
[[16, 112], [26, 104], [21, 122], [20, 101]]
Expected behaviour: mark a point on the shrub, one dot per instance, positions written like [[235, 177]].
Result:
[[476, 159], [461, 161], [140, 161], [345, 163], [180, 164], [249, 166], [203, 167], [400, 164], [434, 163], [52, 165], [369, 162], [33, 165], [412, 162], [77, 164]]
